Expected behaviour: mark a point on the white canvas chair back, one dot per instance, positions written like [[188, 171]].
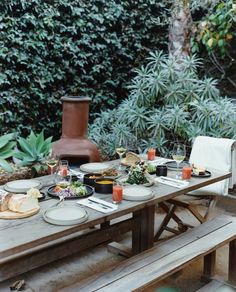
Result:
[[214, 153]]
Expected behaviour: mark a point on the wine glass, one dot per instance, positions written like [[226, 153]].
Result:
[[178, 155], [120, 150], [51, 161]]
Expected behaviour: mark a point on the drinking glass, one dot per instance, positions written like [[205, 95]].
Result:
[[178, 155], [117, 192], [63, 168]]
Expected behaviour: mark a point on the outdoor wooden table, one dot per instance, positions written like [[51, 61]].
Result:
[[31, 242]]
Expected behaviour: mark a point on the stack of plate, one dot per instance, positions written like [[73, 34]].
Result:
[[65, 215], [22, 185], [96, 167], [137, 193]]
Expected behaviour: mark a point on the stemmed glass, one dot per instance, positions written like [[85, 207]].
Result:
[[120, 150], [52, 162], [178, 154]]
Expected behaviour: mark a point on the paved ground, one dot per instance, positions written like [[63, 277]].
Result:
[[64, 275]]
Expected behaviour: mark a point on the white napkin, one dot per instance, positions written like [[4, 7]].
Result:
[[172, 182], [215, 153], [98, 204]]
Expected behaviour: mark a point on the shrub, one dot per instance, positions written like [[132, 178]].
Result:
[[167, 102], [53, 48]]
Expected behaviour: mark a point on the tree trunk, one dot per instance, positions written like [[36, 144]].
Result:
[[180, 29]]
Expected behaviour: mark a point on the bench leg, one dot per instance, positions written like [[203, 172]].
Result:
[[143, 235], [232, 262], [209, 265]]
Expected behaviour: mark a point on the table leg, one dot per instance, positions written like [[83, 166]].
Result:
[[143, 231]]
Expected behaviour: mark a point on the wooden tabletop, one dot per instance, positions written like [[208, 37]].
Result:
[[22, 236]]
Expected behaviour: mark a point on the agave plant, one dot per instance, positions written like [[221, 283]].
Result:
[[6, 151], [33, 151]]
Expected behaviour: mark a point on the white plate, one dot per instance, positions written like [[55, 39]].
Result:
[[22, 185], [95, 167], [137, 193], [65, 215]]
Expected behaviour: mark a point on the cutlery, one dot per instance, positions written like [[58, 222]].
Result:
[[100, 204], [172, 181]]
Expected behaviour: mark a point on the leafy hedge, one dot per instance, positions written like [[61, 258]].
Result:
[[52, 48]]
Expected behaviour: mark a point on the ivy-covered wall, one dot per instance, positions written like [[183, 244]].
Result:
[[78, 47]]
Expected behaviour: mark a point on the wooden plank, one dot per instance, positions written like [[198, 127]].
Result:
[[213, 286], [35, 258], [147, 228], [191, 241]]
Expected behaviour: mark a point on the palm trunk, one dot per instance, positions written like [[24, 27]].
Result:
[[180, 29]]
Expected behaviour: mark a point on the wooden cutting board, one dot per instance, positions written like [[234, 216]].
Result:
[[14, 215]]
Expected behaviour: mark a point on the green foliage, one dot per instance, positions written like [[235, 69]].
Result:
[[6, 151], [33, 151], [217, 29], [177, 106], [67, 47]]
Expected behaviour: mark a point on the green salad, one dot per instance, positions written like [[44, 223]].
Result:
[[137, 175]]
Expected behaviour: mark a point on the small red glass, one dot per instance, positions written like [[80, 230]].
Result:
[[117, 193], [151, 154], [186, 172]]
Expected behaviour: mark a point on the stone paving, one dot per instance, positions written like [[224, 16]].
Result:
[[64, 274]]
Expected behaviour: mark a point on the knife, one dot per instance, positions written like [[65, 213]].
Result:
[[173, 181]]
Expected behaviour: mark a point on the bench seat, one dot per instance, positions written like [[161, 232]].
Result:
[[155, 264]]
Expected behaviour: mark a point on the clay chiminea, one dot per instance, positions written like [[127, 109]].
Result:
[[74, 145]]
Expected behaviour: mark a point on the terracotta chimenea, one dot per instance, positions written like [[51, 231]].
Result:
[[74, 145]]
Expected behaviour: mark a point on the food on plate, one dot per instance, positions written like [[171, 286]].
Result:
[[22, 203], [4, 199], [35, 193], [104, 182], [131, 159], [94, 176], [137, 175], [199, 170], [71, 190], [110, 172]]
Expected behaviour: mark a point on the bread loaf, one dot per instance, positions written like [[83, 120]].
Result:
[[131, 159], [4, 199], [22, 203]]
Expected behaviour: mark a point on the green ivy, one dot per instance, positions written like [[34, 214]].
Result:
[[53, 48]]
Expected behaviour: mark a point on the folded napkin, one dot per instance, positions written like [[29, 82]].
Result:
[[172, 182], [98, 204]]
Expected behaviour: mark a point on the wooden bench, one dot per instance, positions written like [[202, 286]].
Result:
[[155, 264]]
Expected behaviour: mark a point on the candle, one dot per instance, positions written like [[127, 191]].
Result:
[[117, 194], [151, 153], [186, 172]]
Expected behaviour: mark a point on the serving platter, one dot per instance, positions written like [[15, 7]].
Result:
[[54, 194], [172, 165], [206, 174], [16, 215], [137, 193], [65, 215], [22, 185], [96, 167]]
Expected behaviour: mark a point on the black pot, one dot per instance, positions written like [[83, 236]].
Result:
[[89, 178], [104, 188]]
